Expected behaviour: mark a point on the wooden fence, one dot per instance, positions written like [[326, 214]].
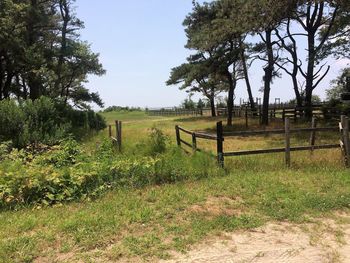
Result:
[[220, 137], [195, 135], [292, 112], [176, 112], [275, 112], [117, 140]]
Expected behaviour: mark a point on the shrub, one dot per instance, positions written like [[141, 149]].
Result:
[[43, 121], [334, 107], [65, 173], [155, 144], [12, 121], [157, 141], [5, 149]]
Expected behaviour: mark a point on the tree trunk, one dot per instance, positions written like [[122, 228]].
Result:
[[310, 75], [268, 78], [212, 106], [296, 90], [7, 86], [64, 10], [34, 87], [34, 82], [231, 92], [246, 77]]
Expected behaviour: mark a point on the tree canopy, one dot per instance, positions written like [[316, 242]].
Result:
[[41, 53], [231, 34]]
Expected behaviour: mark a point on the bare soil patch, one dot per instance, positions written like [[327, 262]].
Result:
[[326, 240], [215, 206]]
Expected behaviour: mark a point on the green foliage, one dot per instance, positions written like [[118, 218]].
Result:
[[30, 122], [120, 108], [41, 53], [65, 172], [43, 121], [200, 104], [188, 104], [339, 86], [154, 145], [333, 108], [12, 121], [157, 141], [5, 149]]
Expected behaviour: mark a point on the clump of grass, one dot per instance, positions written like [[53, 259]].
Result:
[[155, 144]]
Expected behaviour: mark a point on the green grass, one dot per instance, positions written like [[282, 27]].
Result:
[[128, 116], [150, 222]]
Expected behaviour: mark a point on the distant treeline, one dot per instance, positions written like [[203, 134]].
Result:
[[120, 108]]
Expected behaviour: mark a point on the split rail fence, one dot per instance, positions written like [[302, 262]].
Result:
[[220, 137], [275, 112], [117, 139]]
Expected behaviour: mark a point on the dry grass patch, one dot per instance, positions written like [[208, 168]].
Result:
[[217, 206]]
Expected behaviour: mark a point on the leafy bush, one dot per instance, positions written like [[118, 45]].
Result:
[[12, 121], [334, 108], [65, 173], [43, 121], [157, 142], [154, 145], [5, 149], [42, 124]]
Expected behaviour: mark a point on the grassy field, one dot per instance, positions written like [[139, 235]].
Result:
[[148, 223]]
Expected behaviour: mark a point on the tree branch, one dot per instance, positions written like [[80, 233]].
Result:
[[324, 75]]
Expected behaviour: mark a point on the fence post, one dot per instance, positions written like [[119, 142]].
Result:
[[246, 116], [194, 142], [110, 130], [116, 130], [220, 148], [287, 137], [346, 140], [178, 141], [313, 134], [120, 136]]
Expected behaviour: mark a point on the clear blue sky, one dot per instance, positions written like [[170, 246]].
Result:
[[140, 41]]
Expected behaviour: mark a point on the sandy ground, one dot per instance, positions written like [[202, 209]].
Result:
[[325, 240]]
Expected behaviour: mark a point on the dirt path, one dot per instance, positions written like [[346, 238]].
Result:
[[322, 241]]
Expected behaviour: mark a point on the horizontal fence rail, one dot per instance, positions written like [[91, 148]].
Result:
[[277, 131], [175, 112], [275, 112], [195, 136], [287, 131], [280, 150]]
